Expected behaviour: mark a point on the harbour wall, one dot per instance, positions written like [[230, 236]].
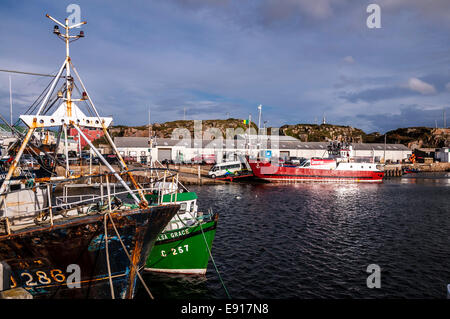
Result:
[[187, 174], [392, 170], [198, 174]]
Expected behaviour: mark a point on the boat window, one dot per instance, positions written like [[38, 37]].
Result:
[[192, 206], [183, 206], [14, 187]]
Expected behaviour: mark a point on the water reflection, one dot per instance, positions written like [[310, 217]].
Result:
[[315, 240]]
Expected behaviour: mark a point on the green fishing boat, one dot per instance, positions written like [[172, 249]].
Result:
[[184, 246]]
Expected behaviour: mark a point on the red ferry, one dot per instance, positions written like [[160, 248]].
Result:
[[340, 166]]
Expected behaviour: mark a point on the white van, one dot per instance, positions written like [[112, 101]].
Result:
[[226, 168]]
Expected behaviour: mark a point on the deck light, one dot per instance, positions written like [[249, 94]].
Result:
[[56, 30]]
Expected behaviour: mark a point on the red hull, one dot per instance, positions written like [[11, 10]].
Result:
[[271, 172]]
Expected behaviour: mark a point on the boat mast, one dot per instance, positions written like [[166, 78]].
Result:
[[258, 145], [68, 114], [150, 139], [69, 80], [10, 102]]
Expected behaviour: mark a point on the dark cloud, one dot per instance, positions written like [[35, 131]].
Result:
[[353, 81], [410, 115], [378, 94], [216, 57], [439, 81]]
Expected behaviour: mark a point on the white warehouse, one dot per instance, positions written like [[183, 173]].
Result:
[[283, 146]]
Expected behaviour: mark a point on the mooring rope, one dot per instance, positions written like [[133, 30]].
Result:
[[107, 257], [197, 222], [214, 263], [129, 257], [123, 245]]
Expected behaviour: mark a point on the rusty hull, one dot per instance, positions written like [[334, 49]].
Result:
[[40, 257]]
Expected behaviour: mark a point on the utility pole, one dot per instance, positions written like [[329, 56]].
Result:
[[149, 128], [443, 115], [259, 117], [150, 138], [248, 142], [258, 142]]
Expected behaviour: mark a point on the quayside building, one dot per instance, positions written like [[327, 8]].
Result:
[[142, 149]]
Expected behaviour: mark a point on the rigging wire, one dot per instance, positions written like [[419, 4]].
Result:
[[29, 73], [87, 104], [128, 255]]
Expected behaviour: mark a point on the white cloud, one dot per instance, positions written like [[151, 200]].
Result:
[[420, 86], [349, 59], [319, 9]]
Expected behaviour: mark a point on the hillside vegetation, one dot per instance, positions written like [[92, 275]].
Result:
[[413, 137]]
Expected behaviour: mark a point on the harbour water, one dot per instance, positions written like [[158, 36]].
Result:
[[316, 240]]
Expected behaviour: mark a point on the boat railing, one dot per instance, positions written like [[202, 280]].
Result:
[[66, 206], [187, 219], [67, 200]]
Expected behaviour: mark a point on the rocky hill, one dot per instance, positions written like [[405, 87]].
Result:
[[164, 130], [323, 132], [413, 137]]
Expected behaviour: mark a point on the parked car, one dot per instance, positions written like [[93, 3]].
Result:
[[166, 161], [226, 168], [129, 159], [204, 159], [95, 160], [111, 158]]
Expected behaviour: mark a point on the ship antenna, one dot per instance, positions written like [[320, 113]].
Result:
[[101, 121], [67, 38]]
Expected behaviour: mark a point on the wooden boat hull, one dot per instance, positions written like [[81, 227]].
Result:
[[44, 259]]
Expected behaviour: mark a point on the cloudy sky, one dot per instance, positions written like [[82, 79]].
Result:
[[300, 59]]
